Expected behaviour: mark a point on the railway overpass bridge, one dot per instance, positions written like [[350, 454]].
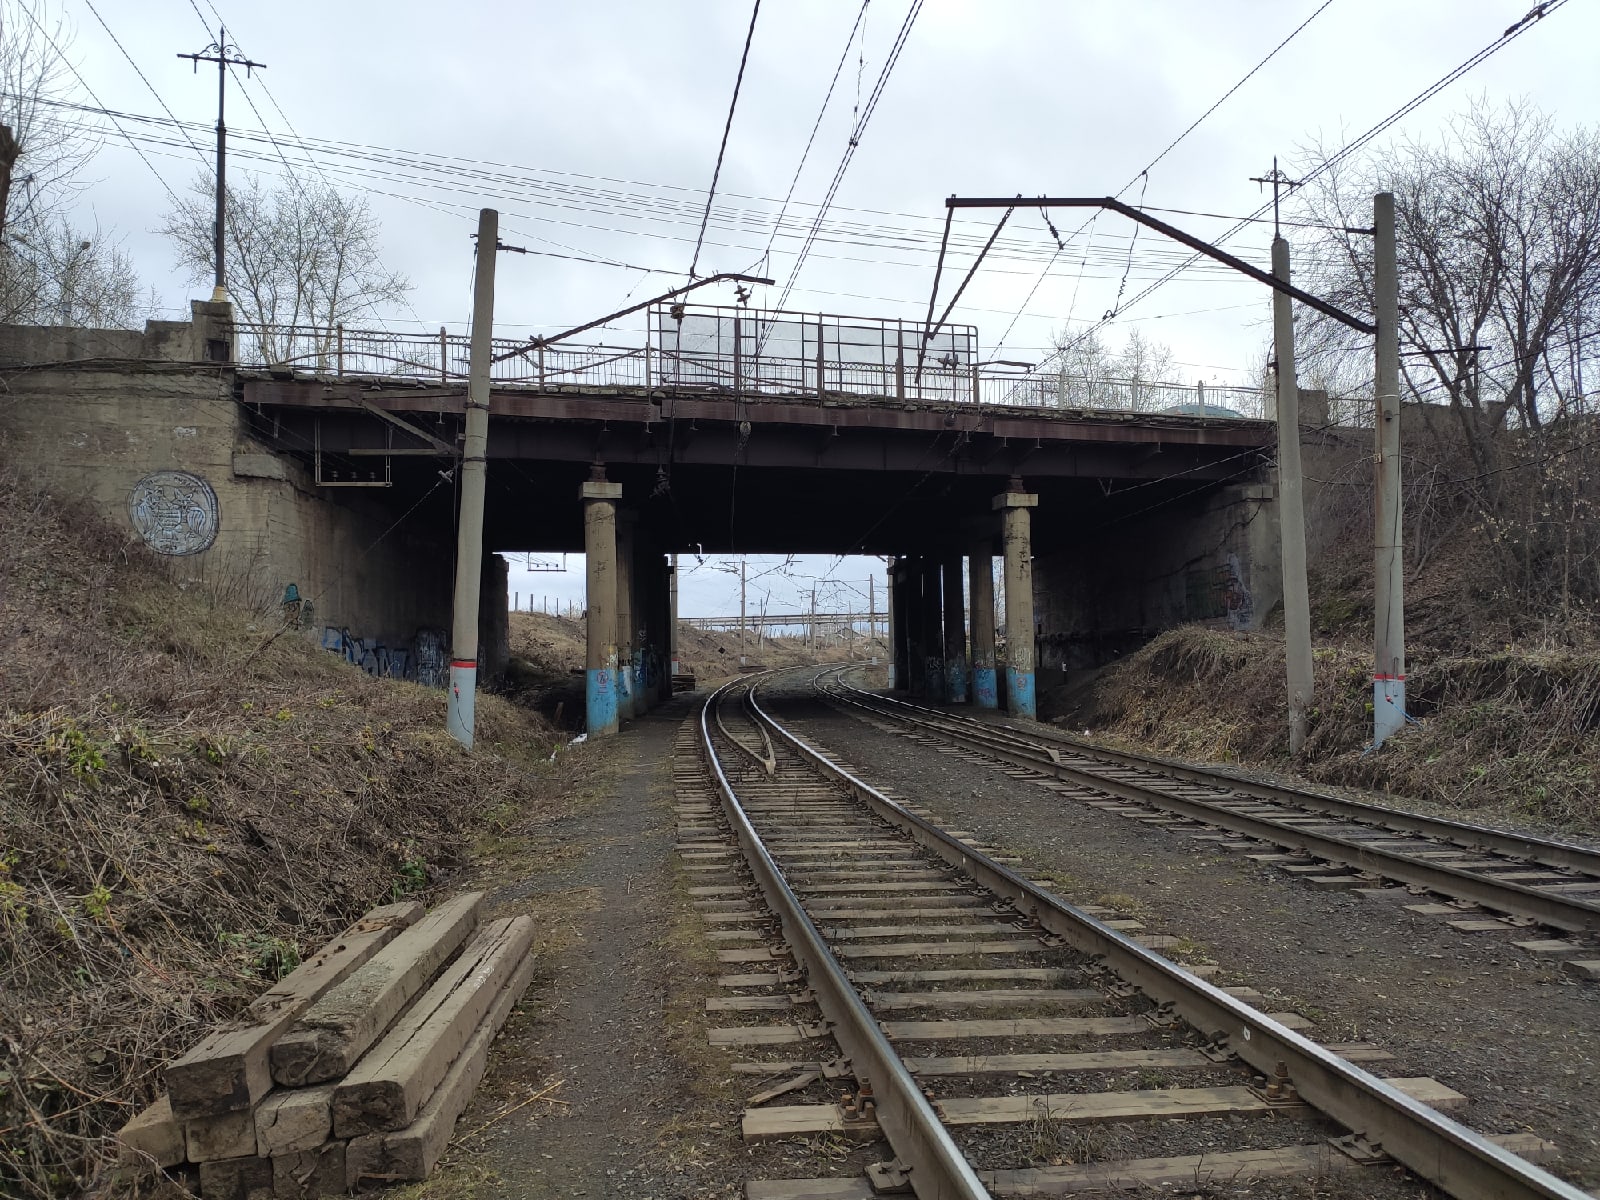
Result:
[[1120, 508]]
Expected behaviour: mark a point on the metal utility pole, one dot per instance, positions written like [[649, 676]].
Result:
[[1389, 666], [744, 659], [1291, 508], [469, 531], [224, 56]]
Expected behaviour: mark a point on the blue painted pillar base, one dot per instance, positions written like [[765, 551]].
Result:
[[1019, 694], [955, 681], [624, 685], [1388, 707], [935, 680], [640, 682], [600, 701], [461, 706], [985, 688], [891, 676]]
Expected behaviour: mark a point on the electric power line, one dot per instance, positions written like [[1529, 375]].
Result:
[[711, 193], [1144, 174], [1534, 16], [850, 148]]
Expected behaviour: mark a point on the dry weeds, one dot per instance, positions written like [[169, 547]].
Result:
[[187, 807]]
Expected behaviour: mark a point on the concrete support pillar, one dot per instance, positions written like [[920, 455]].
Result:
[[1014, 505], [600, 579], [894, 626], [933, 631], [980, 576], [956, 681], [673, 667], [627, 638], [899, 618], [659, 664], [916, 650]]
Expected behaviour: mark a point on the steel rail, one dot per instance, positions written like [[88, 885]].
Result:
[[1430, 1144], [1554, 910], [939, 1170], [1468, 834]]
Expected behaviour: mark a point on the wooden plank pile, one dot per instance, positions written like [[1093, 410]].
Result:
[[352, 1069]]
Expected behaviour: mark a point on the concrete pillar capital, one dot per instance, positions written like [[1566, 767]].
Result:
[[1015, 500]]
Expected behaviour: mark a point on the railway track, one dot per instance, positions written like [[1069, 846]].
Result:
[[1529, 879], [889, 980]]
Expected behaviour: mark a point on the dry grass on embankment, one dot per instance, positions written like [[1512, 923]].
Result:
[[1510, 734], [188, 805]]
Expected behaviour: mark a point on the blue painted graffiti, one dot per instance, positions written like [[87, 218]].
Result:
[[426, 663]]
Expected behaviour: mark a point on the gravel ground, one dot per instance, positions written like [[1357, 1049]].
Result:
[[603, 1083], [1504, 1028]]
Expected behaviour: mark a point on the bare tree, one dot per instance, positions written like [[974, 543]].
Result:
[[303, 258], [1498, 228], [1498, 232], [1142, 362], [1093, 375], [51, 272]]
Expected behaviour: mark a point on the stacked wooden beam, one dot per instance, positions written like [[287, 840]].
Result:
[[352, 1069]]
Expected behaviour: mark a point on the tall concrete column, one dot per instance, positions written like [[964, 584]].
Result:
[[893, 628], [1291, 510], [672, 625], [657, 663], [957, 685], [915, 610], [600, 587], [899, 594], [627, 639], [933, 630], [1014, 505], [980, 574]]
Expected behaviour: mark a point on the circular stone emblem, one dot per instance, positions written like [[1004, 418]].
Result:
[[175, 512]]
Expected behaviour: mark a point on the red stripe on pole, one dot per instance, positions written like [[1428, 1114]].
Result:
[[1388, 679], [467, 663]]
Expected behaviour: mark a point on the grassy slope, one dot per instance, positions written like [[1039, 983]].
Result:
[[1506, 731], [187, 805]]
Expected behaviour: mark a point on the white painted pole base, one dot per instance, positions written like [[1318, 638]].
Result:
[[1388, 708], [463, 702]]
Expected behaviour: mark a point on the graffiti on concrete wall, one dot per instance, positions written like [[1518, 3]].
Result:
[[1237, 603], [1221, 592], [175, 512], [423, 662]]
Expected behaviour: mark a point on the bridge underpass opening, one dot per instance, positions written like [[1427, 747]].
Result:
[[1135, 521]]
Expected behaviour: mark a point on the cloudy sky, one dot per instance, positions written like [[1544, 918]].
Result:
[[594, 129]]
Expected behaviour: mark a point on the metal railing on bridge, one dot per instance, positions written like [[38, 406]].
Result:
[[729, 351]]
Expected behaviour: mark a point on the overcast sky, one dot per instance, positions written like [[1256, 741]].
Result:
[[594, 129]]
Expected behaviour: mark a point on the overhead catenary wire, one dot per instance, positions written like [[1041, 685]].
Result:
[[711, 193], [850, 148], [1534, 16], [1148, 167], [116, 41], [67, 62], [816, 125]]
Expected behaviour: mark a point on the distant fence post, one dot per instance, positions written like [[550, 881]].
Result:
[[338, 352], [444, 356]]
